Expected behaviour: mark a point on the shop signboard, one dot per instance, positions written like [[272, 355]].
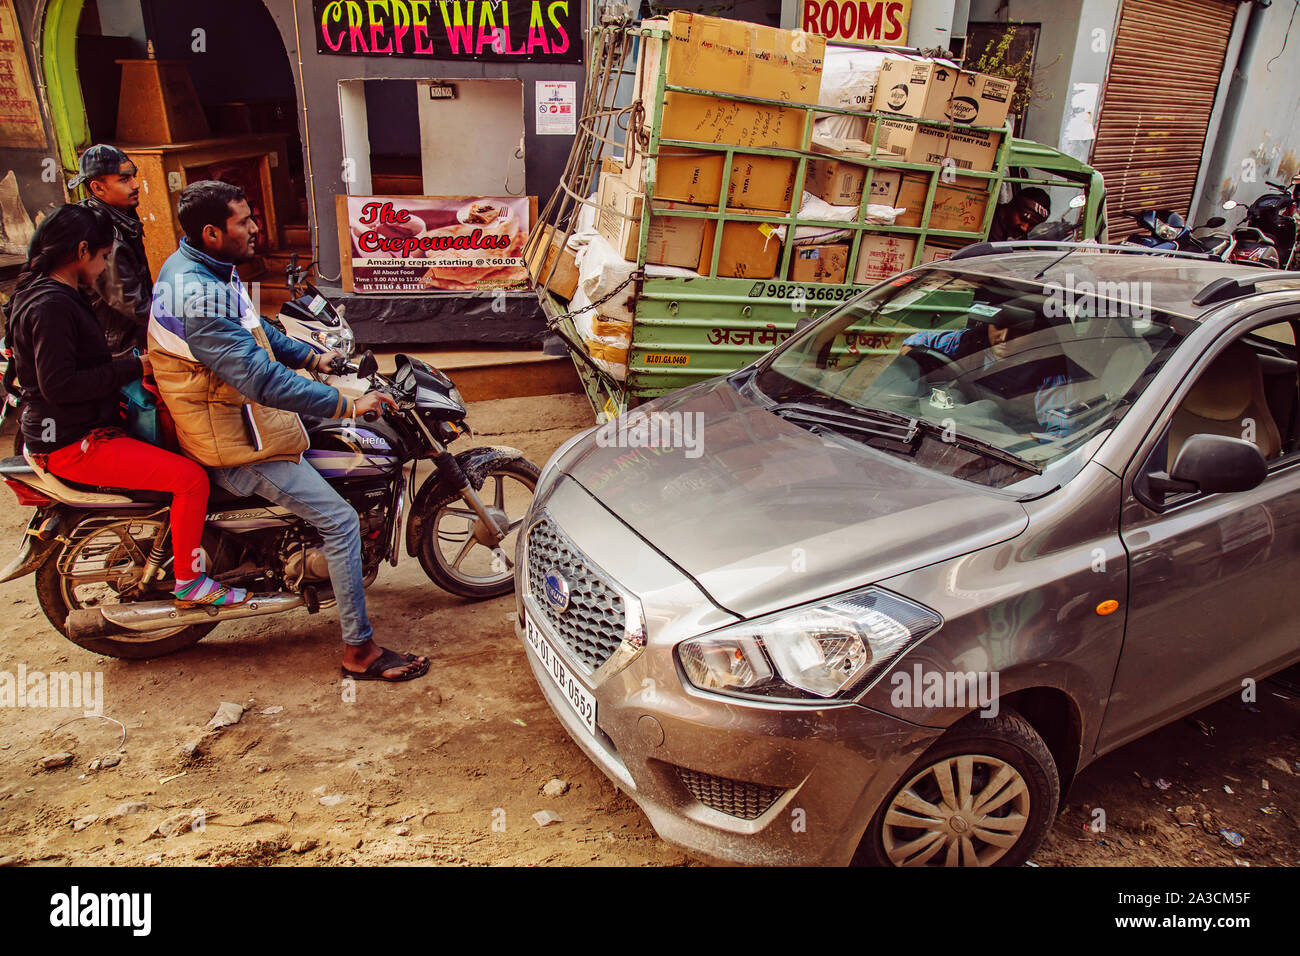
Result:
[[413, 244], [498, 31], [882, 22]]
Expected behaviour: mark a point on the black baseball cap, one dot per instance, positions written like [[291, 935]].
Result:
[[100, 160]]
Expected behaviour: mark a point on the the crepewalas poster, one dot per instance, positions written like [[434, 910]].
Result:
[[502, 31], [406, 244]]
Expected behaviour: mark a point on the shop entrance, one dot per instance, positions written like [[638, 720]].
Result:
[[418, 137], [199, 90]]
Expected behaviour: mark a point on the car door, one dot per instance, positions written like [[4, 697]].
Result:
[[1213, 590]]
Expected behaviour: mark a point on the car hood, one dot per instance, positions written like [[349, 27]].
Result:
[[764, 514]]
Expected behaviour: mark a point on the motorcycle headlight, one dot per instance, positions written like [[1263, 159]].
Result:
[[835, 648], [340, 340]]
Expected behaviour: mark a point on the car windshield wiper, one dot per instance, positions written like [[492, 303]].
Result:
[[874, 426], [977, 444]]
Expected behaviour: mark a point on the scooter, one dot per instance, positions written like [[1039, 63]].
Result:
[[102, 559], [1165, 228], [1267, 234]]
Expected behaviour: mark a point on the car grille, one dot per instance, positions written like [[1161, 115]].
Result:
[[595, 622], [735, 797]]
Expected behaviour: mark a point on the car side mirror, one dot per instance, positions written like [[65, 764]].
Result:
[[368, 365], [1212, 464]]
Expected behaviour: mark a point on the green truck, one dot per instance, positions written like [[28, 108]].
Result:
[[687, 329]]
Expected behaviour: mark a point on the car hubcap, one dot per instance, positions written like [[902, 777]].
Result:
[[967, 810]]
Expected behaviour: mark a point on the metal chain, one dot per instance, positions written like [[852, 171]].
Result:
[[633, 277]]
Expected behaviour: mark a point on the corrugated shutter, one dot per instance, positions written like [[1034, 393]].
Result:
[[1155, 108]]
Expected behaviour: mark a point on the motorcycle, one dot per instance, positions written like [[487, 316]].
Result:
[[1165, 230], [102, 560], [1267, 234], [1276, 215]]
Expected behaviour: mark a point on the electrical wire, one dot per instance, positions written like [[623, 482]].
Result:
[[1268, 67]]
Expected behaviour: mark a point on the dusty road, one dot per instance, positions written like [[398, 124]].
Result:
[[451, 768]]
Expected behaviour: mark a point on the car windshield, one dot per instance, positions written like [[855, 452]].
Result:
[[988, 378]]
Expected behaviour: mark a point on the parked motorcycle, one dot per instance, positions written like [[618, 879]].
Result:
[[102, 559], [1165, 229], [1277, 216], [1266, 235]]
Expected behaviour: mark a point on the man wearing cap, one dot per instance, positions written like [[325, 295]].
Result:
[[124, 291], [1013, 220]]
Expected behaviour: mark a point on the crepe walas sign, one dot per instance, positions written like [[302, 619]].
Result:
[[433, 243], [504, 31]]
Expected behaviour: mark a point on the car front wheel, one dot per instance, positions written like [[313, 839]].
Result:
[[984, 794]]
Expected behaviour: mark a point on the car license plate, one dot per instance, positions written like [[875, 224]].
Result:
[[571, 689]]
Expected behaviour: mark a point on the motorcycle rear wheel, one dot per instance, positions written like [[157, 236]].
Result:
[[60, 594]]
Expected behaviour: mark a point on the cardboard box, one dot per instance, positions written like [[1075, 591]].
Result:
[[980, 99], [840, 183], [907, 141], [881, 255], [972, 149], [915, 87], [958, 206], [731, 56], [749, 251], [934, 252], [564, 282], [673, 241], [823, 262], [695, 176]]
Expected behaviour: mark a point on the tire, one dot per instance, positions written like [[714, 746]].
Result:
[[1006, 741], [435, 562], [49, 593]]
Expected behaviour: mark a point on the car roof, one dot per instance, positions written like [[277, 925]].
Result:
[[1170, 283]]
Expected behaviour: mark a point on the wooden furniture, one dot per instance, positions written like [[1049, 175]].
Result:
[[158, 103], [259, 161]]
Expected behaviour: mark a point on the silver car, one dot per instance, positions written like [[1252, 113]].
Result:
[[881, 595]]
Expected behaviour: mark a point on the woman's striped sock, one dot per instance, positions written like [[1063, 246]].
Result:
[[204, 590]]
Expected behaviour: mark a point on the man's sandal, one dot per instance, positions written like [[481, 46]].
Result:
[[387, 661]]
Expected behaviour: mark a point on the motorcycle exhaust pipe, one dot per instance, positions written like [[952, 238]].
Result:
[[157, 615]]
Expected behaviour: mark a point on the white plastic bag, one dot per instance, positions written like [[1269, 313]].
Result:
[[813, 207]]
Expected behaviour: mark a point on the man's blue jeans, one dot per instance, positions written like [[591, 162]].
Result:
[[299, 487]]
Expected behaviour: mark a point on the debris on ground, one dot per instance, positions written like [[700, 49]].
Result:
[[227, 714]]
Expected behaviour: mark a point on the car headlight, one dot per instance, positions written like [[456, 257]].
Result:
[[835, 648]]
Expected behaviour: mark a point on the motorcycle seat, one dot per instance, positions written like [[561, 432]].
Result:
[[219, 497]]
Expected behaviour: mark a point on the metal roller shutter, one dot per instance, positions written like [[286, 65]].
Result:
[[1155, 110]]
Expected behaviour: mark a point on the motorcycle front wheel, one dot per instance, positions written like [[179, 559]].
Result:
[[451, 549]]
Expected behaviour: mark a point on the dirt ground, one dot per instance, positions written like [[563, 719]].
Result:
[[451, 768]]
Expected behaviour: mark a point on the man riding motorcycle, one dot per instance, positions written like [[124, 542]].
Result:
[[227, 378]]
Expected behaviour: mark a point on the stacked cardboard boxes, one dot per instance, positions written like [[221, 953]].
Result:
[[728, 57], [673, 240]]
